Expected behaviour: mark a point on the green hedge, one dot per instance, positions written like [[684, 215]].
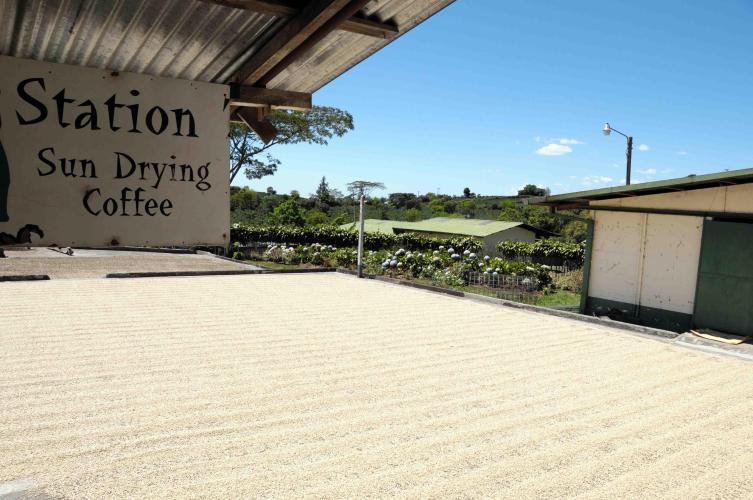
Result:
[[572, 252], [332, 235]]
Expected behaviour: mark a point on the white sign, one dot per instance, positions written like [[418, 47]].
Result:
[[89, 157]]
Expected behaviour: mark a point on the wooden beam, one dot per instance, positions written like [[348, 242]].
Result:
[[288, 8], [254, 118], [279, 8], [257, 97], [312, 17], [367, 27], [332, 24]]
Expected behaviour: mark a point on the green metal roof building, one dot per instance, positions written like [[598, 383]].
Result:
[[490, 232]]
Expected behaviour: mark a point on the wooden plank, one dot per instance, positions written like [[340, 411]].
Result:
[[332, 24], [279, 8], [312, 17], [257, 97], [367, 27], [254, 118], [288, 8]]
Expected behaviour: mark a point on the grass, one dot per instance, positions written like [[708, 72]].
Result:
[[558, 298]]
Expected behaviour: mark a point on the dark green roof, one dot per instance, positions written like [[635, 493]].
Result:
[[728, 178]]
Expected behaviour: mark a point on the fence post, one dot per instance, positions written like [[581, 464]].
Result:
[[360, 239]]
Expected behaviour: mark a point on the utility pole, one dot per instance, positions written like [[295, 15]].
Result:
[[629, 159], [360, 239]]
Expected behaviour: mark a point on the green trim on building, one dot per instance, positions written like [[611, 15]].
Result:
[[646, 316], [590, 224]]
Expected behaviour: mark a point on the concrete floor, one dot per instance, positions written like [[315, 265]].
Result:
[[326, 386], [98, 263]]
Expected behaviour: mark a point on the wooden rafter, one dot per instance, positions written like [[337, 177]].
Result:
[[332, 24], [312, 17], [256, 120], [257, 97], [289, 8]]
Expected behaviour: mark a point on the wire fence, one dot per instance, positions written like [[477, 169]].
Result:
[[557, 264], [503, 281]]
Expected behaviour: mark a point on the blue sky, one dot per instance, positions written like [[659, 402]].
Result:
[[478, 95]]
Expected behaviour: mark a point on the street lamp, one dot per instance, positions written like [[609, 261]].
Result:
[[608, 129]]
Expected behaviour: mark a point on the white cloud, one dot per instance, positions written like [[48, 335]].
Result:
[[643, 147], [648, 171], [569, 141], [682, 153], [590, 180], [554, 150]]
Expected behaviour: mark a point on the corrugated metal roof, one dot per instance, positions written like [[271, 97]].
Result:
[[173, 38], [664, 186], [310, 72], [374, 225], [444, 225], [465, 227], [186, 39]]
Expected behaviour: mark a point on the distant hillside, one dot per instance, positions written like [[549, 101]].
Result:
[[269, 207]]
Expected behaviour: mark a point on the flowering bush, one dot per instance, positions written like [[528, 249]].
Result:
[[445, 266]]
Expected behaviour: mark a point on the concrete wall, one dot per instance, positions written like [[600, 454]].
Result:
[[647, 260], [651, 260]]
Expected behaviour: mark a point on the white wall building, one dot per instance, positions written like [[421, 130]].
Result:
[[673, 254]]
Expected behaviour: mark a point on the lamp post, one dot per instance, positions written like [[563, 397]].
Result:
[[608, 129]]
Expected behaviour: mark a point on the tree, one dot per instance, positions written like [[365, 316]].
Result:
[[468, 208], [317, 126], [413, 214], [271, 190], [244, 199], [467, 192], [575, 231], [533, 190], [288, 213], [400, 200], [315, 218], [438, 208], [322, 192], [356, 189]]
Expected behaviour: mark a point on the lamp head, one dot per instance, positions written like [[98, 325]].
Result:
[[607, 129]]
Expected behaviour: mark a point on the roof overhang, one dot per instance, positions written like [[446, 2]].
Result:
[[582, 199], [275, 53]]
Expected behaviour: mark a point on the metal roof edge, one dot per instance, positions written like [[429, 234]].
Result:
[[689, 182]]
